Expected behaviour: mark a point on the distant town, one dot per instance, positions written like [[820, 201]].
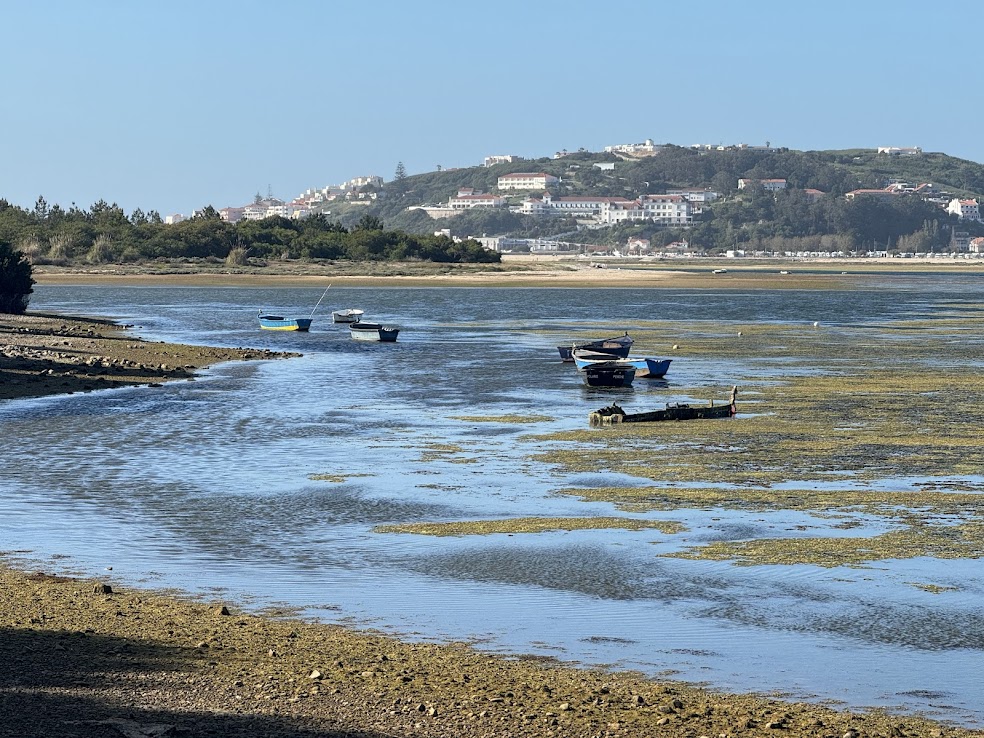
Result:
[[531, 193]]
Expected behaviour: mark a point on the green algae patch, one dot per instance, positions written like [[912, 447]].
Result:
[[509, 419], [933, 588], [336, 478], [529, 525], [848, 421], [942, 542], [884, 503]]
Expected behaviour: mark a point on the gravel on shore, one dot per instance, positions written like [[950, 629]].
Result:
[[89, 658]]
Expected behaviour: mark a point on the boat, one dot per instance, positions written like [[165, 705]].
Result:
[[280, 323], [614, 414], [644, 366], [271, 322], [616, 347], [374, 332], [609, 374], [347, 316]]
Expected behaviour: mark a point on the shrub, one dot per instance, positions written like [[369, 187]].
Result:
[[15, 280]]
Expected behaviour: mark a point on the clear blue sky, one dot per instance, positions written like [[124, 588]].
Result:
[[171, 106]]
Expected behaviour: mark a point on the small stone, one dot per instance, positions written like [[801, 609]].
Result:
[[565, 706], [223, 610], [315, 674], [102, 589]]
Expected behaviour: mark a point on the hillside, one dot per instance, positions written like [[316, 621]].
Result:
[[736, 218]]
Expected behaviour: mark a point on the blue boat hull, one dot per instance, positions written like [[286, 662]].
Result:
[[644, 367], [278, 323]]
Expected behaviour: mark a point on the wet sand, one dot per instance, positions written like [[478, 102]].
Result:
[[77, 659]]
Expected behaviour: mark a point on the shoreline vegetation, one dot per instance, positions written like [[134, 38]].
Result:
[[80, 657]]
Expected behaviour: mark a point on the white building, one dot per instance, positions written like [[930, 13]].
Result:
[[772, 185], [897, 151], [357, 182], [172, 219], [663, 209], [647, 148], [491, 161], [964, 209], [468, 199], [577, 207], [526, 181], [231, 215], [696, 195]]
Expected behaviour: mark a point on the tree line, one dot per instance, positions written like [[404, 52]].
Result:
[[105, 234]]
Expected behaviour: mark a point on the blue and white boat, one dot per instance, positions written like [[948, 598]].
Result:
[[644, 366], [270, 322], [374, 332]]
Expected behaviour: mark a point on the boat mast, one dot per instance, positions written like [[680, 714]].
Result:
[[322, 298]]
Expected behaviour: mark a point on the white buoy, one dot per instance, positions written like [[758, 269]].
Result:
[[816, 323], [739, 333]]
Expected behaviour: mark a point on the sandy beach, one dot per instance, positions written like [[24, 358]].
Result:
[[102, 659]]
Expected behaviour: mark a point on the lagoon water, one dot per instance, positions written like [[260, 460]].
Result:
[[209, 486]]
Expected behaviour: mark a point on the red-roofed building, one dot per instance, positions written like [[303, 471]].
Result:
[[964, 209]]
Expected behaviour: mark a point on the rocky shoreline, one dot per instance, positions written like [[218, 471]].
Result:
[[100, 660], [44, 355]]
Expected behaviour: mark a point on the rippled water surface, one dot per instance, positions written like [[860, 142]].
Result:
[[207, 486]]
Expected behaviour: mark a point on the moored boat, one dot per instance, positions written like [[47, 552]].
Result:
[[271, 322], [644, 366], [282, 323], [350, 315], [374, 332], [614, 347], [608, 374], [674, 411]]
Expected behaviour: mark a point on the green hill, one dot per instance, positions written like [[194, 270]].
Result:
[[737, 219]]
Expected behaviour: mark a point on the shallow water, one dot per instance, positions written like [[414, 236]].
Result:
[[206, 486]]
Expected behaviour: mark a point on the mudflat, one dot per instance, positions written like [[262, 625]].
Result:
[[80, 657]]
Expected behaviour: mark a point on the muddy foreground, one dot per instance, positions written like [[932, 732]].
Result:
[[83, 658], [100, 660]]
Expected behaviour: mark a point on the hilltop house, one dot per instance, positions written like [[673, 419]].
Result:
[[897, 151], [491, 161]]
